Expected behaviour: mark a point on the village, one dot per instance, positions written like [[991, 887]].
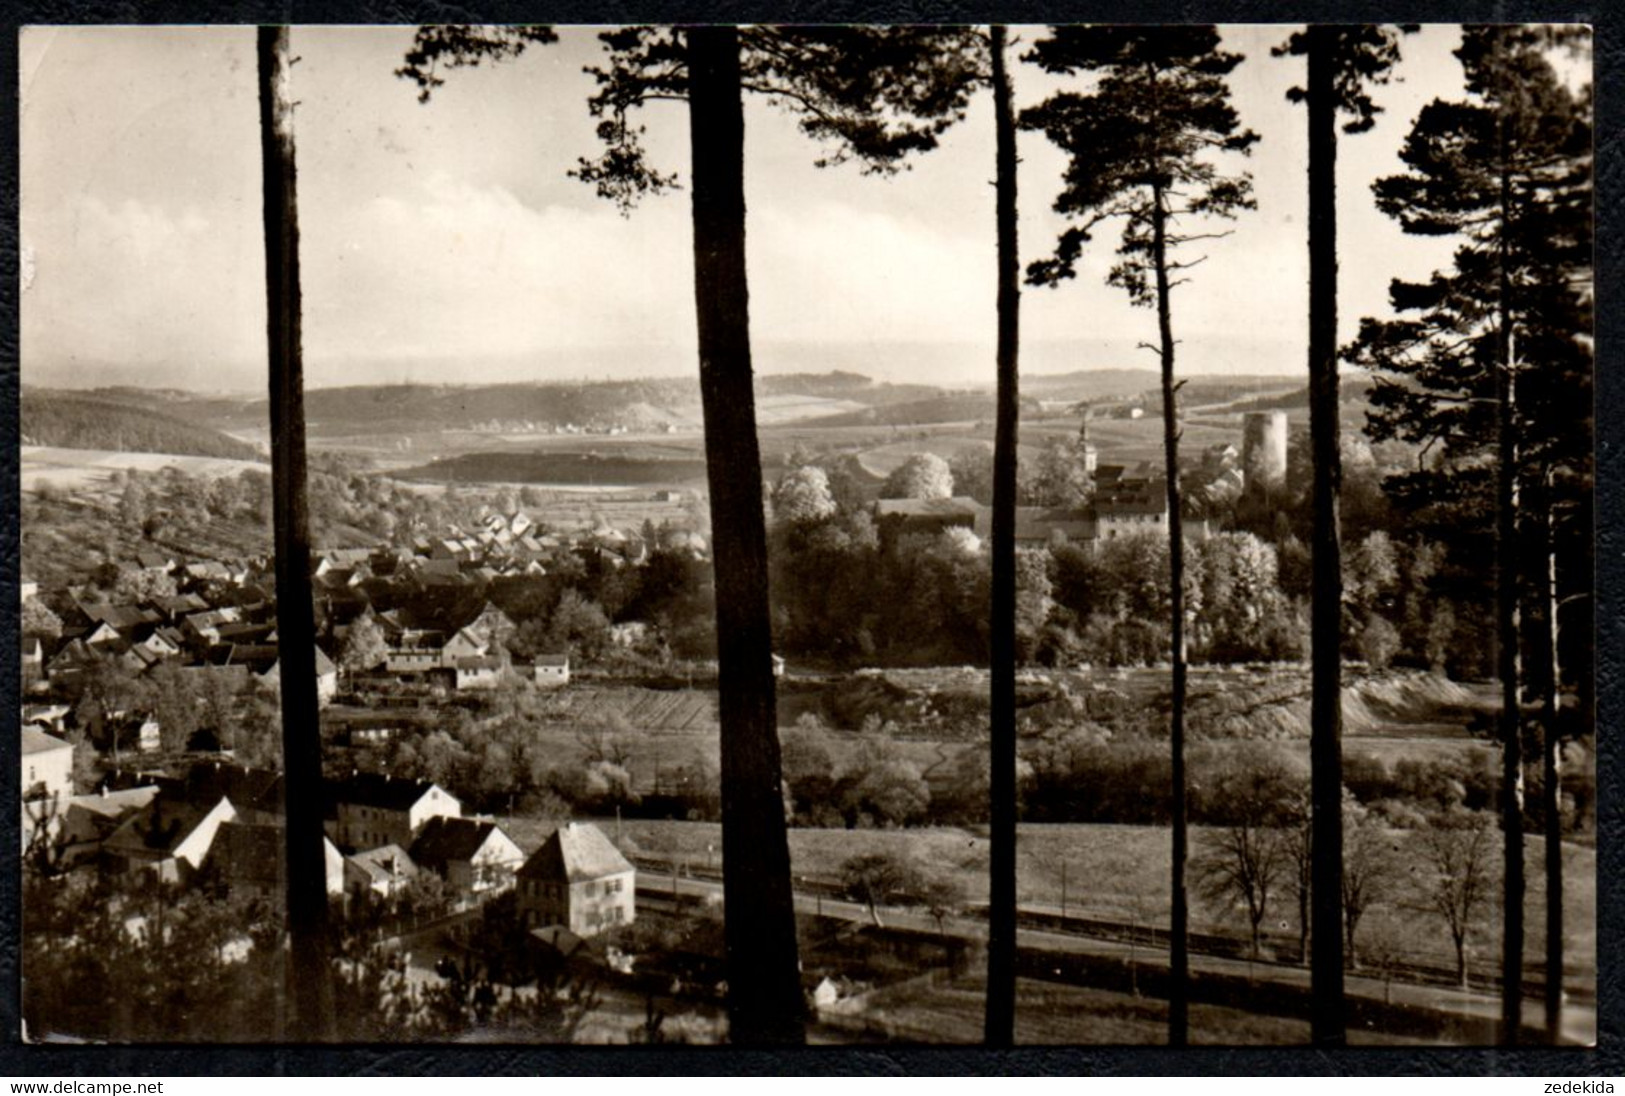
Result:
[[403, 633], [126, 799]]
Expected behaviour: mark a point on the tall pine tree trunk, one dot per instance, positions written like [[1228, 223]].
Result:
[[1551, 771], [1178, 954], [310, 985], [1001, 947], [764, 993], [1508, 628], [1326, 673]]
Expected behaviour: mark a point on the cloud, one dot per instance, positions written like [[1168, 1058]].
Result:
[[828, 271], [141, 283], [453, 267]]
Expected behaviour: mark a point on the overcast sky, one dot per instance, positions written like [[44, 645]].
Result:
[[445, 242]]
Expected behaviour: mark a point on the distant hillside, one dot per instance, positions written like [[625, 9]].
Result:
[[460, 408], [426, 408], [842, 385], [1089, 385], [1350, 390], [959, 407], [81, 422], [835, 398]]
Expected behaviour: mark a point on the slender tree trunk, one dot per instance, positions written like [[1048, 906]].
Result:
[[310, 974], [1178, 953], [1000, 1016], [1326, 627], [764, 992], [1509, 631], [1551, 772], [1303, 927]]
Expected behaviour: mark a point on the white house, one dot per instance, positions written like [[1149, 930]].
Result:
[[47, 763], [373, 809], [384, 871], [552, 670], [327, 676], [472, 856], [578, 879]]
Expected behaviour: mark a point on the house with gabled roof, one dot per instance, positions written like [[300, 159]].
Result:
[[412, 651], [257, 794], [206, 571], [464, 644], [384, 871], [181, 605], [327, 676], [250, 860], [91, 819], [551, 671], [69, 661], [50, 717], [123, 619], [448, 548], [104, 637], [47, 765], [477, 673], [492, 624], [472, 856], [246, 632], [163, 642], [927, 517], [169, 837], [1040, 526], [151, 559], [204, 628], [577, 879], [373, 809]]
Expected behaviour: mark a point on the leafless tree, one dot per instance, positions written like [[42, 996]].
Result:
[[1455, 876]]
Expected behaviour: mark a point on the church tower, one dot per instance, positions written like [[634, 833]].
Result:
[[1091, 456]]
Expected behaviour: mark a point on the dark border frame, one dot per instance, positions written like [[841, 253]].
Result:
[[1608, 1059]]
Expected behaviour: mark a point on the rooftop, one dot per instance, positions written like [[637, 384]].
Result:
[[576, 852], [36, 741]]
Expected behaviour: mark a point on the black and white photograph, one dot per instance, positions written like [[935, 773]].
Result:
[[832, 535]]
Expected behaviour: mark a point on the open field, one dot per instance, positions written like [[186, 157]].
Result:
[[640, 457], [1392, 717], [1120, 874], [82, 470]]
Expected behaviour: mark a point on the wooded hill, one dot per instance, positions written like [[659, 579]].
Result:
[[637, 405], [87, 422]]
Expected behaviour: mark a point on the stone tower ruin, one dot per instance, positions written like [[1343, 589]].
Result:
[[1263, 449]]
